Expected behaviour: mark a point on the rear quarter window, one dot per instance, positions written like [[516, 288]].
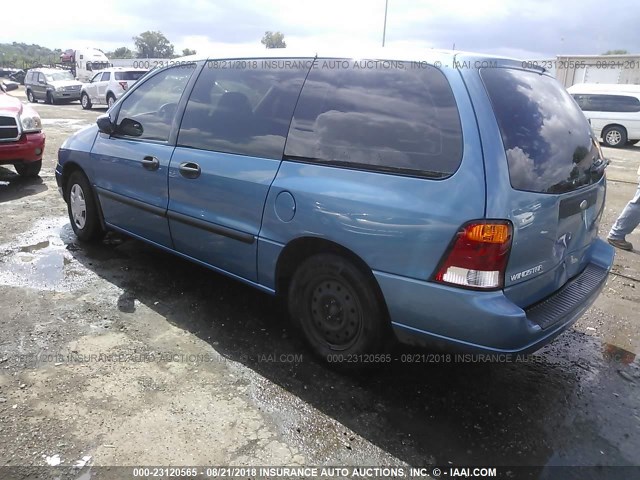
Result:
[[129, 75], [607, 103], [391, 119]]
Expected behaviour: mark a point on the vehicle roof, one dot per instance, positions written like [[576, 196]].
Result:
[[408, 54], [49, 69], [604, 87], [122, 69]]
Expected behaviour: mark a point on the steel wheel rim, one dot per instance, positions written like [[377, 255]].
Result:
[[78, 206], [336, 314], [614, 137]]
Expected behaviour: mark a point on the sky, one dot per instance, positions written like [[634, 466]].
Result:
[[526, 29]]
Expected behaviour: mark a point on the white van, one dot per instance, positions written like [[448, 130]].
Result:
[[612, 109]]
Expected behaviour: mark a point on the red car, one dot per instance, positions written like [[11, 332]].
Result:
[[21, 137]]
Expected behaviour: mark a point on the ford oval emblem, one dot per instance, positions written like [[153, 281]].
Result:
[[583, 204]]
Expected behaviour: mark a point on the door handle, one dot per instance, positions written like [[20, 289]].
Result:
[[189, 170], [150, 163]]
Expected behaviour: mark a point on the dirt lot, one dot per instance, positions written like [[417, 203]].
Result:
[[121, 355]]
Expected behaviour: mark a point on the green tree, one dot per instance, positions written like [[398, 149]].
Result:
[[22, 55], [616, 52], [151, 44], [187, 51], [122, 52], [273, 40]]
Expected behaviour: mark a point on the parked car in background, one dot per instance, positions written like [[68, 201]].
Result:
[[109, 85], [18, 76], [612, 109], [21, 137], [6, 72], [9, 85], [404, 192], [51, 85]]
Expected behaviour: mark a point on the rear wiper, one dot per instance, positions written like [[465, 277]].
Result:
[[598, 166]]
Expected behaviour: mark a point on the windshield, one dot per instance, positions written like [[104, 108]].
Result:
[[54, 77], [546, 137], [94, 66]]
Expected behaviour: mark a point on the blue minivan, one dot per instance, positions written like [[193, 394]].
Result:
[[436, 197]]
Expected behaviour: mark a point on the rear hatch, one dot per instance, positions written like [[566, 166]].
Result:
[[556, 176]]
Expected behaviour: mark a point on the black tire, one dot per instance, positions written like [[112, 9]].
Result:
[[28, 170], [31, 97], [335, 306], [111, 99], [50, 99], [85, 101], [632, 142], [614, 137], [86, 226]]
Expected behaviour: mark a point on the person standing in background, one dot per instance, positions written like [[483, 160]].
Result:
[[626, 222]]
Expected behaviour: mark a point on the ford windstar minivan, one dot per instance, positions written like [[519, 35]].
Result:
[[449, 198]]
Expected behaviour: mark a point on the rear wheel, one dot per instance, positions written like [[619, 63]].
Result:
[[82, 208], [85, 101], [31, 97], [110, 100], [335, 306], [31, 169], [615, 137]]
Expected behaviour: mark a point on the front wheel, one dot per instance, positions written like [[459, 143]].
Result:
[[335, 306], [31, 169], [85, 102], [82, 208], [50, 99], [614, 137]]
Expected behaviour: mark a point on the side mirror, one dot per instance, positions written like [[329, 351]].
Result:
[[104, 124], [131, 128]]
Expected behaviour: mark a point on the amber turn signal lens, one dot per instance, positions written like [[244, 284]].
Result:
[[488, 233]]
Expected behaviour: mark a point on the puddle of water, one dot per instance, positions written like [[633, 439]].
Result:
[[36, 247], [613, 353], [61, 121], [39, 259], [72, 124]]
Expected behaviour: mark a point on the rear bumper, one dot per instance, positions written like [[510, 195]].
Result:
[[430, 314], [29, 148]]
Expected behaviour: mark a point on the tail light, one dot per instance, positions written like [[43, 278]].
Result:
[[124, 85], [477, 257]]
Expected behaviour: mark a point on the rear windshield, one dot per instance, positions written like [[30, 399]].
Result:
[[546, 136], [135, 75]]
